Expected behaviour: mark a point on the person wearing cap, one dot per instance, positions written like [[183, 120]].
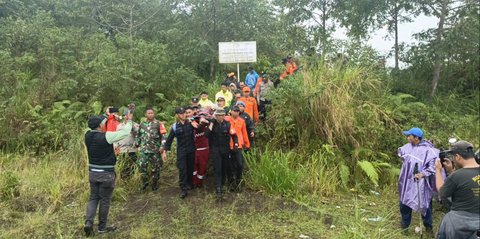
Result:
[[202, 151], [235, 173], [248, 122], [221, 105], [264, 88], [418, 154], [463, 186], [194, 101], [182, 130], [225, 94], [204, 101], [101, 167], [221, 134], [150, 137], [251, 78], [251, 106]]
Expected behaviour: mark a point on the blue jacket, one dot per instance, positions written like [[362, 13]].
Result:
[[251, 79]]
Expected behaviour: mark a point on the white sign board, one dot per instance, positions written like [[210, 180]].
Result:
[[237, 52]]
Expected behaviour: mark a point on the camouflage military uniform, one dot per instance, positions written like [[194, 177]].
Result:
[[150, 138]]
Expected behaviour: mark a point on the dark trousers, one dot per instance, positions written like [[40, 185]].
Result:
[[221, 165], [236, 168], [406, 212], [101, 189], [185, 163], [262, 109]]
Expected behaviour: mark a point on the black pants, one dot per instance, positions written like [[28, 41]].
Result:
[[101, 190], [262, 109], [185, 163], [236, 168], [221, 165]]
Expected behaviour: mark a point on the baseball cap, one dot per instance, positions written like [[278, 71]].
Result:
[[246, 89], [241, 103], [179, 110], [461, 146], [195, 99], [235, 108], [219, 112], [414, 131], [94, 122]]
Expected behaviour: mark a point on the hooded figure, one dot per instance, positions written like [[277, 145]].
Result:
[[423, 154]]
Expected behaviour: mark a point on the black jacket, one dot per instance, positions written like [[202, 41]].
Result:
[[185, 137], [101, 155]]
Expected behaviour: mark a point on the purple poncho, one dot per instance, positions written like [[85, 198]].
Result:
[[424, 154]]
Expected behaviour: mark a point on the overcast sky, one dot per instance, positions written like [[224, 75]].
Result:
[[406, 30]]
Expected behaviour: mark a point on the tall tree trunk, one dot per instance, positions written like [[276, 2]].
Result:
[[438, 53], [323, 36], [395, 19], [214, 44]]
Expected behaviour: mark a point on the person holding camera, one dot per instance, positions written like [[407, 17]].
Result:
[[150, 137], [463, 186], [414, 186], [101, 167]]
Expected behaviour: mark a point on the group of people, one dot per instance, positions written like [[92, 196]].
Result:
[[451, 176], [222, 132]]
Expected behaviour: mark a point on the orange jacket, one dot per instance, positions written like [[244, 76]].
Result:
[[291, 67], [255, 91], [240, 130], [251, 108]]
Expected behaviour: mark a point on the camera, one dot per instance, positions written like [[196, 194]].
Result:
[[130, 109], [443, 155]]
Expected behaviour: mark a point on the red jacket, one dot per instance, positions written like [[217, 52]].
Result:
[[112, 123]]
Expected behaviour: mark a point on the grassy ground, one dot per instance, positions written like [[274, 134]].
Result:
[[46, 197]]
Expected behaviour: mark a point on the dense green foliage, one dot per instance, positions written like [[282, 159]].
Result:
[[333, 128]]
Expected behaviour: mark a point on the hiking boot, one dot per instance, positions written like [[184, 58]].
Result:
[[183, 194], [107, 229], [144, 187], [88, 229], [190, 187], [219, 193], [154, 186], [404, 229]]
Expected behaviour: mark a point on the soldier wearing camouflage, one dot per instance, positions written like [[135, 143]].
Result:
[[150, 138]]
